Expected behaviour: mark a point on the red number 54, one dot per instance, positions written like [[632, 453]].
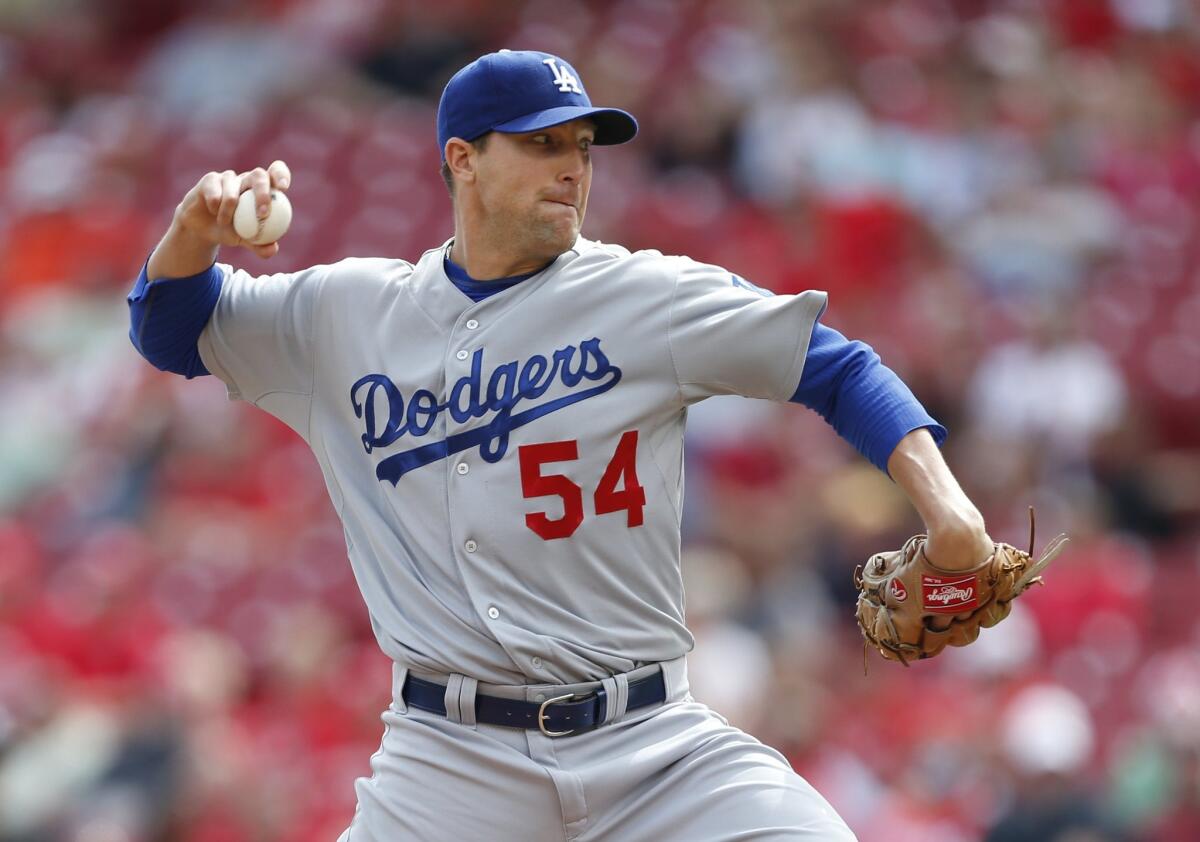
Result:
[[622, 468]]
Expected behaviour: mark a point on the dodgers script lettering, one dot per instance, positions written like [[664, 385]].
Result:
[[388, 416]]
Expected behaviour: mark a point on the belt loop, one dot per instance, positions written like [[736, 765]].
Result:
[[616, 689], [675, 679], [453, 687], [466, 700]]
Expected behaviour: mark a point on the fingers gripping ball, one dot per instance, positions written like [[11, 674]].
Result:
[[261, 232], [902, 596]]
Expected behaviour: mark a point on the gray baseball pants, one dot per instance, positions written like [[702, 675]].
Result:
[[676, 772]]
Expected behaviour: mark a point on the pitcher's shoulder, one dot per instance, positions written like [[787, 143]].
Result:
[[371, 271], [595, 254]]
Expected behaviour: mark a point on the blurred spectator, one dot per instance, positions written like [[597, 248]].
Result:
[[1051, 391], [1048, 740]]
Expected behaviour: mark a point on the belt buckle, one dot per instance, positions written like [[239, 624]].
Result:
[[541, 717]]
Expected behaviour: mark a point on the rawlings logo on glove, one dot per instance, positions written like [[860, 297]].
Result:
[[901, 629], [950, 595]]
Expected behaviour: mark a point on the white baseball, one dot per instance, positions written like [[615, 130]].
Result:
[[261, 232]]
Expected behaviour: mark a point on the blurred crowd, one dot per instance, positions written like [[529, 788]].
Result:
[[999, 195]]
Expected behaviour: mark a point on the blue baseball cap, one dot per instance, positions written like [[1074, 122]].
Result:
[[522, 91]]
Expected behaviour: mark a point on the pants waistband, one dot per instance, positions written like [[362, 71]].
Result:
[[461, 692]]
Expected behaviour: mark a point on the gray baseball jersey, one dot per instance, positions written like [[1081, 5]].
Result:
[[509, 472]]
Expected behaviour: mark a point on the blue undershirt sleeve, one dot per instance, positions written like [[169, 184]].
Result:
[[861, 398], [168, 315]]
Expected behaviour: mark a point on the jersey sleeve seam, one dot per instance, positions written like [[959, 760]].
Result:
[[312, 352], [304, 394], [677, 506], [670, 344], [733, 390]]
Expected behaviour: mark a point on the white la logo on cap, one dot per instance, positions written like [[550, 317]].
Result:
[[563, 78]]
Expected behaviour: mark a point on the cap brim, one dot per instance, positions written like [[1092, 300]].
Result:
[[612, 124]]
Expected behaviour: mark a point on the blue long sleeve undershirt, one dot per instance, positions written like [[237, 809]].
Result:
[[843, 381], [167, 316]]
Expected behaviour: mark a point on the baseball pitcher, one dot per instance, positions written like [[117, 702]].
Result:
[[500, 428]]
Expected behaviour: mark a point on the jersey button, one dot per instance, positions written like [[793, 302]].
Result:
[[540, 697], [537, 663], [472, 324], [494, 612], [463, 467], [462, 355], [471, 547]]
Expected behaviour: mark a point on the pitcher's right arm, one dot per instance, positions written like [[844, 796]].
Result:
[[180, 284]]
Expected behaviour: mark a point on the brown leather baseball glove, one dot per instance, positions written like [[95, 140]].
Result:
[[901, 596]]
